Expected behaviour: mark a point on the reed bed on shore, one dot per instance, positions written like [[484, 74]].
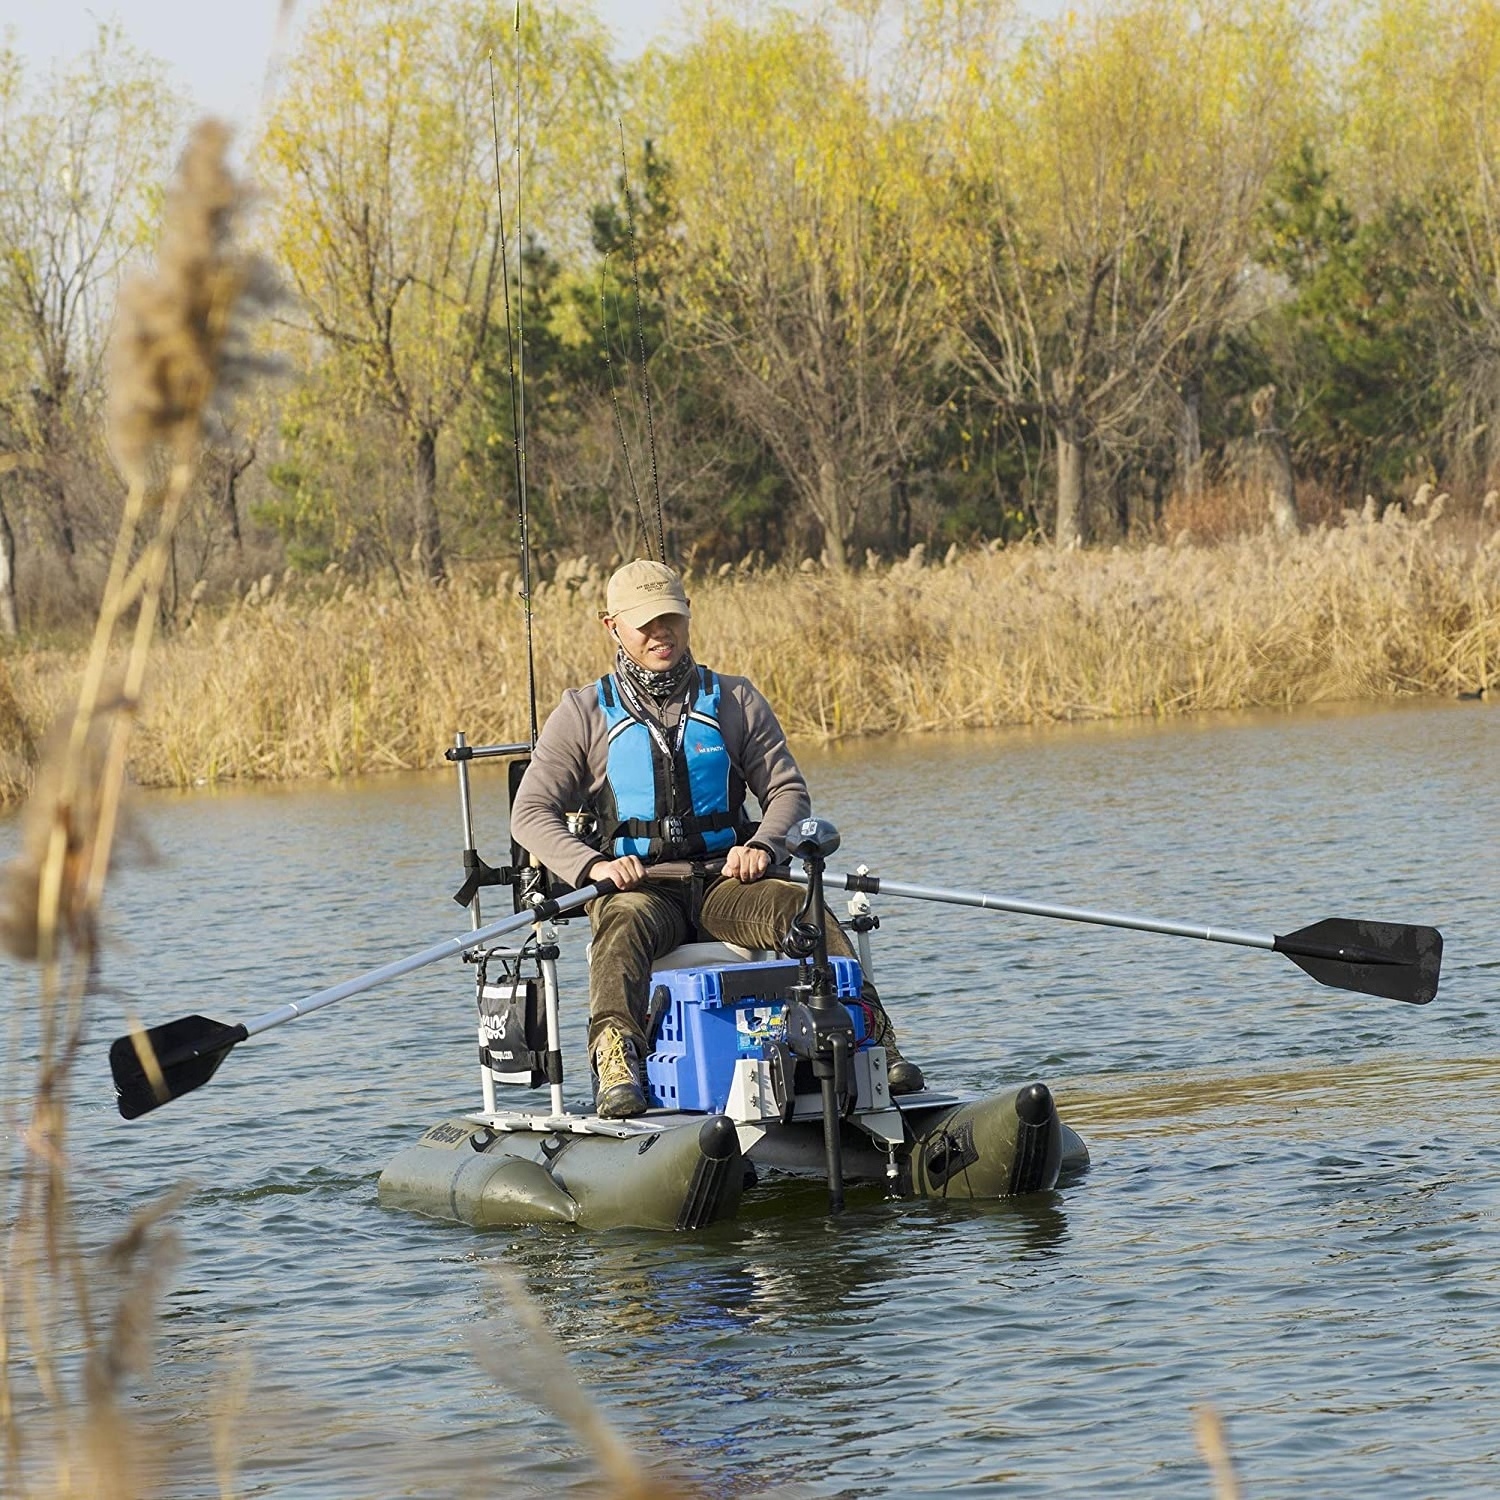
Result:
[[305, 681]]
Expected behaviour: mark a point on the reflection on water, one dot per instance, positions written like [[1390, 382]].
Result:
[[1292, 1209], [1401, 1089]]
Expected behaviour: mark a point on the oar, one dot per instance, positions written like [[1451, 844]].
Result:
[[1388, 959], [167, 1061]]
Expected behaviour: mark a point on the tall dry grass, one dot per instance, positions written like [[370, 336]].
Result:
[[304, 682]]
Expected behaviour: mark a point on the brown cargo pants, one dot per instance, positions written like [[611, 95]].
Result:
[[634, 928]]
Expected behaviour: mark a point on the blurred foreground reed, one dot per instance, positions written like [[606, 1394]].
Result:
[[75, 1326], [319, 678]]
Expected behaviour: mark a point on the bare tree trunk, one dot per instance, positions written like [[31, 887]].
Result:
[[901, 515], [1158, 493], [1120, 494], [1071, 520], [59, 517], [1190, 441], [833, 514], [1274, 462], [429, 540], [235, 464], [9, 617], [231, 508], [52, 441]]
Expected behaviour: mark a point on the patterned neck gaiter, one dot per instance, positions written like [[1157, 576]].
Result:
[[658, 686]]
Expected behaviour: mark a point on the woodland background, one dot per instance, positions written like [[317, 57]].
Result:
[[930, 273]]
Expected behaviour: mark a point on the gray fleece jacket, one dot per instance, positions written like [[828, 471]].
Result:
[[567, 773]]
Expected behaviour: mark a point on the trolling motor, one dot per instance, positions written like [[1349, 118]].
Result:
[[818, 1028]]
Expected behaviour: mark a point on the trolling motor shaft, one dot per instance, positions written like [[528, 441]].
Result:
[[818, 1028]]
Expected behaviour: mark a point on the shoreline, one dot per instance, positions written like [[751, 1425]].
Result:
[[810, 751], [311, 679]]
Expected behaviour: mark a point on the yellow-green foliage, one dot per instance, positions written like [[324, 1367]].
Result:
[[303, 686]]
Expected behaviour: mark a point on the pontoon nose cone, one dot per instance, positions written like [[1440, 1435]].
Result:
[[718, 1177], [1038, 1145], [1034, 1104], [718, 1140]]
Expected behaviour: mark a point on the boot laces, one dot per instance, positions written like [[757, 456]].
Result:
[[614, 1060]]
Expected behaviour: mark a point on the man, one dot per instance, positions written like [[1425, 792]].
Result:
[[661, 753]]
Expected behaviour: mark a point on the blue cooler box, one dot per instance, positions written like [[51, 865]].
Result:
[[715, 1016]]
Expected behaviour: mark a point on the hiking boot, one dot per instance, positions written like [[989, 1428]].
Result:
[[617, 1076], [902, 1076]]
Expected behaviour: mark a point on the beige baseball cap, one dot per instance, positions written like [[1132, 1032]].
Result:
[[642, 590]]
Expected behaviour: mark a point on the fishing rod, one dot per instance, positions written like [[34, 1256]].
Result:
[[1386, 959], [614, 401], [515, 347], [460, 753], [153, 1066], [640, 333], [520, 393]]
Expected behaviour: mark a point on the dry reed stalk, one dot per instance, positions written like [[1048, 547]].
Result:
[[233, 1394], [180, 341], [142, 1256], [1213, 1444], [535, 1365]]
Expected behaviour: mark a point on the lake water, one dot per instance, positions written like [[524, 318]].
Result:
[[1293, 1212]]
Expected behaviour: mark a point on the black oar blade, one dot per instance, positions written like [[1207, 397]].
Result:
[[1388, 959], [151, 1067]]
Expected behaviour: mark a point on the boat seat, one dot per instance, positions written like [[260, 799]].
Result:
[[703, 956], [707, 955]]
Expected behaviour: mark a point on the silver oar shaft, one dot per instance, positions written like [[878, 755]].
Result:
[[394, 970], [875, 885]]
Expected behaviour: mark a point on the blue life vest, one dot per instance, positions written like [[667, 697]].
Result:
[[668, 797]]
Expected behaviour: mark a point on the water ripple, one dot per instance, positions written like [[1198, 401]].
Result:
[[1292, 1212]]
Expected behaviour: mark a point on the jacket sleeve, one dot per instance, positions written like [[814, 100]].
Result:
[[556, 783], [757, 745]]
